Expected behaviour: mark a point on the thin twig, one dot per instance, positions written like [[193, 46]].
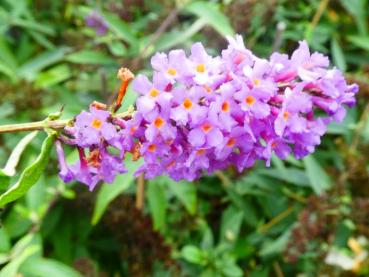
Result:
[[226, 182], [281, 27], [33, 126], [277, 269], [140, 192], [162, 28], [276, 219], [318, 14]]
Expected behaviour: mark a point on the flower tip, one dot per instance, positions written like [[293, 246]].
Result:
[[124, 74]]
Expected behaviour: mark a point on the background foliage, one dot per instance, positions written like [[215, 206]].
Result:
[[306, 217]]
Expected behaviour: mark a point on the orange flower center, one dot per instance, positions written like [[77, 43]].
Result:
[[286, 115], [159, 122], [172, 163], [250, 100], [96, 123], [225, 106], [208, 89], [274, 144], [187, 103], [172, 71], [154, 92], [200, 152], [200, 68], [132, 130], [151, 147], [94, 158], [231, 142], [257, 82], [206, 127]]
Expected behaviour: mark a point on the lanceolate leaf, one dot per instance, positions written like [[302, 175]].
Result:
[[157, 204], [319, 179], [43, 267], [30, 175], [108, 193], [210, 13], [13, 160]]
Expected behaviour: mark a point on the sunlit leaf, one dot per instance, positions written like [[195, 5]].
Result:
[[43, 267], [30, 175], [193, 254], [89, 57], [14, 157], [210, 13]]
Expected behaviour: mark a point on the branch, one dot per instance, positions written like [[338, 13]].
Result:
[[53, 124]]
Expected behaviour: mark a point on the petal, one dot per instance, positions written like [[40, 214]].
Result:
[[297, 124], [145, 104], [160, 62], [141, 84], [179, 115], [279, 126], [214, 137], [198, 53], [196, 137], [260, 109]]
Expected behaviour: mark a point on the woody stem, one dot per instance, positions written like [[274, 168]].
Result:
[[41, 125]]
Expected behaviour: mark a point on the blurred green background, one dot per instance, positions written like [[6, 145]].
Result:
[[297, 218]]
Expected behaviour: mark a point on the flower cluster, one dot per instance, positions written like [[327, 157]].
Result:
[[93, 132], [202, 113], [96, 21]]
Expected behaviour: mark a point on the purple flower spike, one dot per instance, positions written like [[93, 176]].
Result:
[[201, 113]]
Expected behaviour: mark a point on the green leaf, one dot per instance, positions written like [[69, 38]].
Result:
[[30, 69], [357, 9], [6, 70], [108, 192], [276, 246], [229, 267], [13, 160], [319, 180], [193, 254], [53, 76], [4, 181], [338, 55], [171, 39], [157, 204], [360, 41], [186, 193], [121, 29], [7, 56], [211, 14], [30, 175], [291, 175], [23, 253], [33, 25], [43, 267], [89, 57], [231, 224], [5, 243]]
